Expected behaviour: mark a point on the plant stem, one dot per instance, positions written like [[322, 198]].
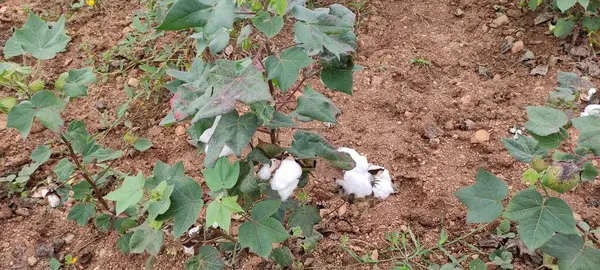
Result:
[[224, 235], [245, 13], [85, 174], [592, 236], [584, 160]]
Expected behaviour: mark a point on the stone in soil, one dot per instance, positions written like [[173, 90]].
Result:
[[32, 261], [500, 21], [517, 47], [44, 251], [541, 70], [180, 130], [480, 136], [133, 82], [69, 238], [58, 243], [22, 212]]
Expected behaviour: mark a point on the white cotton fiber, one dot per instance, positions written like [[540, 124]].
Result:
[[356, 183], [286, 178], [362, 164]]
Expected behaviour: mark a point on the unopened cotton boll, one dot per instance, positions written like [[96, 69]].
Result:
[[286, 178], [357, 183], [362, 164], [382, 182]]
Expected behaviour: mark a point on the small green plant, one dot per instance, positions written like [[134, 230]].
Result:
[[582, 14], [544, 220], [421, 62]]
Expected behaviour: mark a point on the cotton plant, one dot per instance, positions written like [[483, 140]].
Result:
[[365, 179]]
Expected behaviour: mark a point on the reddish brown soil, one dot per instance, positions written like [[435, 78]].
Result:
[[405, 117]]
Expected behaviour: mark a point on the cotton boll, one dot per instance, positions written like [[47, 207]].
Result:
[[382, 182], [286, 178], [53, 200], [361, 161], [207, 134], [188, 250], [357, 183], [590, 93], [591, 110], [266, 170], [193, 231]]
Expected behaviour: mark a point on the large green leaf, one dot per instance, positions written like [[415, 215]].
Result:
[[209, 14], [544, 121], [524, 149], [146, 238], [309, 145], [142, 144], [77, 80], [223, 176], [539, 218], [44, 105], [572, 252], [260, 235], [219, 212], [233, 131], [207, 259], [484, 199], [64, 169], [338, 71], [285, 68], [564, 27], [316, 106], [40, 39], [331, 29], [589, 131], [129, 194], [267, 24], [186, 203], [82, 212], [283, 256], [216, 91], [565, 5], [305, 217]]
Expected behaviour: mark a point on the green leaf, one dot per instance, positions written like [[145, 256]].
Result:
[[7, 103], [264, 209], [305, 217], [142, 144], [531, 176], [161, 204], [338, 79], [223, 176], [259, 235], [565, 5], [544, 121], [478, 264], [551, 141], [572, 252], [64, 169], [102, 222], [233, 131], [54, 264], [286, 68], [81, 213], [589, 172], [584, 3], [589, 129], [484, 199], [146, 238], [524, 149], [199, 13], [129, 194], [591, 23], [123, 243], [207, 259], [44, 105], [267, 24], [539, 219], [81, 189], [219, 211], [283, 256], [77, 80], [564, 27], [331, 29], [186, 203], [309, 145], [42, 40], [316, 106]]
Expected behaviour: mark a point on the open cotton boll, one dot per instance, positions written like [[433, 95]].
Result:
[[361, 161], [286, 178], [188, 250], [591, 110], [357, 183], [266, 170], [207, 134], [590, 93], [193, 231], [382, 182], [53, 200]]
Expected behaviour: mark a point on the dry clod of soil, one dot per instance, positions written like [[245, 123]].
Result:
[[580, 51], [24, 212], [544, 17], [517, 47], [180, 130], [44, 251], [32, 261], [480, 136], [133, 82], [500, 21], [69, 238], [528, 55], [5, 212], [541, 70], [58, 243], [100, 105], [459, 12]]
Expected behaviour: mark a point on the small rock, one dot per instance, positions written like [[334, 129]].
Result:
[[459, 12], [229, 50], [24, 212], [509, 32], [480, 136], [375, 80], [3, 9], [180, 130], [517, 47], [133, 82], [541, 70], [69, 238], [343, 209], [403, 228], [455, 136], [44, 251], [67, 62], [514, 13], [58, 243], [32, 261], [309, 261], [375, 255], [519, 34], [527, 56], [100, 105], [500, 21], [408, 114], [449, 125], [577, 217]]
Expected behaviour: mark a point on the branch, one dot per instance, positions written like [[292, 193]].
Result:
[[86, 176], [245, 13], [584, 160], [224, 235]]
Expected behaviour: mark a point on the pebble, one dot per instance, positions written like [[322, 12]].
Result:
[[58, 243], [133, 82], [22, 212], [459, 12], [3, 9], [100, 105], [480, 136], [32, 261], [180, 130], [541, 70], [69, 238], [465, 100], [67, 62], [517, 47], [500, 21], [343, 209]]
